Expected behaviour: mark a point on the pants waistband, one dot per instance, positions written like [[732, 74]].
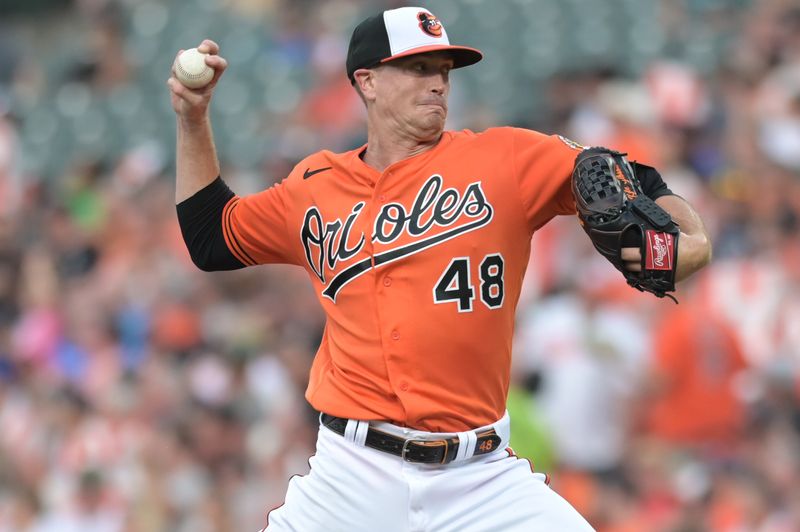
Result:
[[420, 446]]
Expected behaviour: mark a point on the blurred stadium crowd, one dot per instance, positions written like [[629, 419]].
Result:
[[139, 394]]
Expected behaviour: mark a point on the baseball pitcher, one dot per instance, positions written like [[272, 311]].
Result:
[[416, 244]]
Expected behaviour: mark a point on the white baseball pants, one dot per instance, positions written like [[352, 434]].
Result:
[[355, 488]]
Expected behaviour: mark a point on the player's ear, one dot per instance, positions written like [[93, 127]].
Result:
[[365, 83]]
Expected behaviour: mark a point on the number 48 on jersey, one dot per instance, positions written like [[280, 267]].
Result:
[[455, 284]]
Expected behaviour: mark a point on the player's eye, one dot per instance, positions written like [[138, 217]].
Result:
[[425, 68]]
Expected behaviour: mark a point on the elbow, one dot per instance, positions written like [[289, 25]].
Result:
[[709, 251], [200, 256], [210, 258], [203, 263], [695, 253], [705, 250], [200, 220]]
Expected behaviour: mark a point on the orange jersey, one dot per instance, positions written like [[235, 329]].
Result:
[[418, 268]]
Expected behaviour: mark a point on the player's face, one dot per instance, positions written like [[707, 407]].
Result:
[[411, 93]]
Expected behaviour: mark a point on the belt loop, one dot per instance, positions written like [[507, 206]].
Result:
[[350, 430], [466, 445], [361, 433], [503, 428]]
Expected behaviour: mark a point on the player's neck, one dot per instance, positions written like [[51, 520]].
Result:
[[384, 150]]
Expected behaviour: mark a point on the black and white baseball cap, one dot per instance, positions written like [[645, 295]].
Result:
[[399, 33]]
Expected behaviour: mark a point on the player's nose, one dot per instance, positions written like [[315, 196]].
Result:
[[439, 84]]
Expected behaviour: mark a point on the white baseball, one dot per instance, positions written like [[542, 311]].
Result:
[[191, 69]]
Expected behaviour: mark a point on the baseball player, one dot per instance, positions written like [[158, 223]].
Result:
[[416, 244]]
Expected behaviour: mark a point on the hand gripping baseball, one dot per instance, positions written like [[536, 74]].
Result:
[[192, 104], [616, 214]]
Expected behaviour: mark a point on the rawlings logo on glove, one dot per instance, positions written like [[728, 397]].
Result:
[[660, 256], [615, 213]]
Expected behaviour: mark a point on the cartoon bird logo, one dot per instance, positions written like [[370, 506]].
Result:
[[429, 24]]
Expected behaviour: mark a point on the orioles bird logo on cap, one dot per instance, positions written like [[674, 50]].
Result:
[[429, 24]]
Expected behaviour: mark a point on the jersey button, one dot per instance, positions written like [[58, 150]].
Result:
[[382, 198], [404, 386], [395, 335], [387, 281]]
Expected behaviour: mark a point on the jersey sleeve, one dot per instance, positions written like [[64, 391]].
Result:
[[200, 219], [543, 165], [256, 227], [650, 179]]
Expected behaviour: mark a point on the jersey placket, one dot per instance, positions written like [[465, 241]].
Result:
[[390, 330]]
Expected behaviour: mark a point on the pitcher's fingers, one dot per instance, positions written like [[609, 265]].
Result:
[[177, 88], [219, 65], [633, 266], [217, 62], [181, 91], [208, 47], [631, 254]]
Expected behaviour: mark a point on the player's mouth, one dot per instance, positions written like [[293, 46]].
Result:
[[436, 104]]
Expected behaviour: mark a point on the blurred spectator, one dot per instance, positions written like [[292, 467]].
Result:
[[696, 361], [10, 174], [91, 511]]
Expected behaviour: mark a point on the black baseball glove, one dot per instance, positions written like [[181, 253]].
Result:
[[615, 213]]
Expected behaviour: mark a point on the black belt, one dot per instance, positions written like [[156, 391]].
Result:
[[441, 451]]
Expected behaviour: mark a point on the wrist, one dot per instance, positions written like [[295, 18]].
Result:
[[193, 121]]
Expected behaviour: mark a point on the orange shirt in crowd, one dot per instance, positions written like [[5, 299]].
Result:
[[696, 361]]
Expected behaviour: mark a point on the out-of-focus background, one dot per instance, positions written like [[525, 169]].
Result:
[[139, 394]]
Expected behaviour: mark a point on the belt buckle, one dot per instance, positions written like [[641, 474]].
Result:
[[404, 450], [424, 443]]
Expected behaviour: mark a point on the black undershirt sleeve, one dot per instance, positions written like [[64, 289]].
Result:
[[652, 183], [200, 218]]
